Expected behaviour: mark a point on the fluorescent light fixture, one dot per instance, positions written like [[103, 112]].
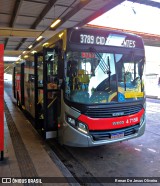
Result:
[[30, 46], [24, 52], [34, 51], [38, 38], [55, 23]]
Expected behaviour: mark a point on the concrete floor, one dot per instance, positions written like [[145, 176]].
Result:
[[135, 158], [24, 153]]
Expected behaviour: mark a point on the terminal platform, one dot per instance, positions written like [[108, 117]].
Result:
[[26, 155]]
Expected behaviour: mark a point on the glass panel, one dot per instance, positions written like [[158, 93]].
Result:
[[52, 85], [40, 104], [52, 80], [29, 84], [130, 77], [90, 77], [40, 73]]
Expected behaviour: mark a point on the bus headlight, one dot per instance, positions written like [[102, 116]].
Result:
[[77, 124], [71, 121], [142, 119], [82, 127]]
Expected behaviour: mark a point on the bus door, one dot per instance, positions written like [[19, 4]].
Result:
[[14, 82], [39, 92], [50, 88], [18, 84], [22, 84]]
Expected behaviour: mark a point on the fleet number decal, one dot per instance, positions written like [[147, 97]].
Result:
[[132, 120], [128, 121]]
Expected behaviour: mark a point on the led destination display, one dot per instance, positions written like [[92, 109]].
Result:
[[104, 38]]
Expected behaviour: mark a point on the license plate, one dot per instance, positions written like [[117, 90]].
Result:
[[117, 135]]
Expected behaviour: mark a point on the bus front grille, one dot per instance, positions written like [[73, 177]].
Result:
[[110, 112], [106, 135]]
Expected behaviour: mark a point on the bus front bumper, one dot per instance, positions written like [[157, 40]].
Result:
[[73, 137]]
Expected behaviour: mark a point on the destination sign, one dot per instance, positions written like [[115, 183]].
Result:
[[112, 40], [105, 38]]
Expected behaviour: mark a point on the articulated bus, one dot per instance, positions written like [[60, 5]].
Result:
[[87, 88]]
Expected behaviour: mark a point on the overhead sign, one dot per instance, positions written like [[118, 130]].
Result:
[[1, 102]]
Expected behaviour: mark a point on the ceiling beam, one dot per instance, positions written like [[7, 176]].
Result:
[[47, 8], [71, 13], [23, 33], [13, 53], [16, 9], [104, 9]]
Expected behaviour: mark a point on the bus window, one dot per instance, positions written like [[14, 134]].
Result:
[[40, 73], [89, 75], [130, 75]]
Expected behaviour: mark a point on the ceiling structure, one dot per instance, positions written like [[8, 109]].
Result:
[[23, 21]]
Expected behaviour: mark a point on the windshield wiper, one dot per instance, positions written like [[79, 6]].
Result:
[[109, 71], [102, 64], [105, 67]]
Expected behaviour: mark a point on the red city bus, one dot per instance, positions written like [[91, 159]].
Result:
[[86, 88]]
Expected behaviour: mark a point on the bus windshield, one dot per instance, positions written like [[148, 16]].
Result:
[[97, 78]]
